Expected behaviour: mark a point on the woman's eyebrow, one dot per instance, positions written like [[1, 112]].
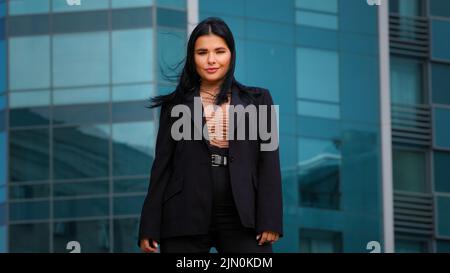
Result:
[[204, 49]]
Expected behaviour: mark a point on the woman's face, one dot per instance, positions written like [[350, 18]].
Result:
[[212, 58]]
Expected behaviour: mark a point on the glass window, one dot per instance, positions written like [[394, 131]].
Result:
[[28, 7], [80, 95], [29, 238], [29, 99], [318, 109], [132, 92], [410, 171], [80, 188], [89, 207], [325, 6], [314, 19], [406, 81], [171, 18], [81, 152], [406, 7], [171, 49], [80, 21], [440, 40], [131, 111], [440, 8], [443, 221], [29, 155], [131, 185], [181, 4], [317, 74], [440, 76], [29, 191], [63, 5], [29, 116], [87, 63], [442, 246], [132, 56], [131, 3], [320, 241], [322, 14], [2, 62], [93, 236], [126, 235], [31, 25], [29, 210], [440, 126], [128, 205], [29, 63], [81, 113], [441, 171], [132, 18], [411, 246], [319, 173], [133, 147]]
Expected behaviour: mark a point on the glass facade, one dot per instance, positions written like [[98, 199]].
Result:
[[77, 143]]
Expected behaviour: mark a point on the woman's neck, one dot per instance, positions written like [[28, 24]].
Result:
[[210, 87]]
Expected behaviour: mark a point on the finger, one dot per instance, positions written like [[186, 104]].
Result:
[[258, 236], [263, 238], [145, 246], [271, 237], [277, 237]]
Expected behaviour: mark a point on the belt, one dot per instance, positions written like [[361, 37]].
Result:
[[219, 160]]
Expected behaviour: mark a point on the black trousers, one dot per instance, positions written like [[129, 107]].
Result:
[[226, 232]]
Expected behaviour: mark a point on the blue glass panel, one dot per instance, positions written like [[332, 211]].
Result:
[[81, 152], [132, 48], [131, 3], [440, 40], [64, 5], [440, 80], [440, 8], [131, 185], [32, 210], [125, 235], [443, 221], [28, 7], [325, 6], [171, 51], [440, 125], [80, 59], [133, 153], [317, 74], [80, 95], [92, 207], [441, 171], [29, 155], [132, 92], [29, 238], [314, 19], [180, 4], [29, 191], [29, 63], [29, 99], [128, 205], [2, 64], [93, 236], [67, 189]]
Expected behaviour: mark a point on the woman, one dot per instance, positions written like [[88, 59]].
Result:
[[219, 190]]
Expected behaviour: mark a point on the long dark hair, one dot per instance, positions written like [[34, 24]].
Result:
[[188, 79]]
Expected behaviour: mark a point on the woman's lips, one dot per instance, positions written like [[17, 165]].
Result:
[[211, 70]]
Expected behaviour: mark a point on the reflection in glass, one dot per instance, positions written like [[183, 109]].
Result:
[[82, 207], [320, 241], [128, 205], [81, 152], [93, 236], [125, 235], [29, 191], [133, 146], [29, 155], [29, 238], [80, 188], [319, 173]]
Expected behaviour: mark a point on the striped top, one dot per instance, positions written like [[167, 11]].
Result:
[[216, 119]]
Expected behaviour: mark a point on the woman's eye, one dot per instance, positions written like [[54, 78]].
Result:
[[201, 53], [220, 52]]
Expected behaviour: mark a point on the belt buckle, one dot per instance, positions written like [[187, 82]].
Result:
[[215, 160]]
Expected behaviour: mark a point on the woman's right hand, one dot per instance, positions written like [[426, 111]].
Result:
[[149, 245]]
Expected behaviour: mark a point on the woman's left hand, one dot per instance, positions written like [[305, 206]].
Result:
[[267, 236]]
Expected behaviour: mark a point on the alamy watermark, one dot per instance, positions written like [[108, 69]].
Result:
[[258, 123]]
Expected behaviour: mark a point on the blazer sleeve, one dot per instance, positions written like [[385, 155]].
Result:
[[269, 209], [150, 221]]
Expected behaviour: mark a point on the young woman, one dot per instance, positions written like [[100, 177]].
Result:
[[220, 190]]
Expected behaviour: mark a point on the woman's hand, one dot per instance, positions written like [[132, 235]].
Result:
[[147, 247], [267, 236]]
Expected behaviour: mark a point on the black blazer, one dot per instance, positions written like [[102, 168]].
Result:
[[179, 198]]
